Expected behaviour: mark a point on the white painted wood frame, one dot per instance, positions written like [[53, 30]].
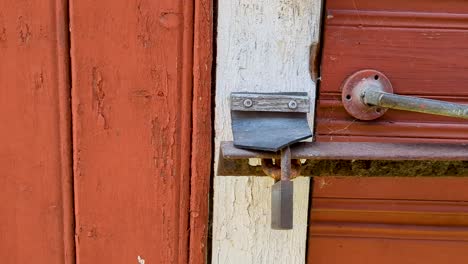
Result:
[[262, 46]]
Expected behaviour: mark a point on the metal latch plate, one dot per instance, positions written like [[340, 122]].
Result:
[[269, 121]]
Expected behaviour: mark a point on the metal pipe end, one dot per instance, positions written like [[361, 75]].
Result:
[[356, 90]]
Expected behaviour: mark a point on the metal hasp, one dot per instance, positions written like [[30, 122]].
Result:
[[269, 121], [272, 122], [367, 95]]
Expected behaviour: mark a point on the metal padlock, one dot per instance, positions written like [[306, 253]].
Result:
[[282, 193]]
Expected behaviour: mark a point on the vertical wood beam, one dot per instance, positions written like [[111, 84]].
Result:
[[132, 101], [36, 209], [201, 130], [263, 46]]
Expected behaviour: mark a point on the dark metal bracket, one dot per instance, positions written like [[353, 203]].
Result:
[[269, 121]]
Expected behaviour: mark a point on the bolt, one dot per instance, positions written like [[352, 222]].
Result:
[[248, 103], [292, 104]]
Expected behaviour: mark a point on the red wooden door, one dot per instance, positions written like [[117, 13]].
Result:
[[420, 46], [141, 126], [117, 93], [36, 217], [388, 220]]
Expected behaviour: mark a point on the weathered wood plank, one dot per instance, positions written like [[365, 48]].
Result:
[[364, 219], [402, 39], [36, 208], [201, 131], [263, 46], [132, 100]]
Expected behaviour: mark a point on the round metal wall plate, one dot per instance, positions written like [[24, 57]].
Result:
[[352, 90]]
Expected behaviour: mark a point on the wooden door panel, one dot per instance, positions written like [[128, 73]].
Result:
[[418, 45], [388, 220], [36, 217], [325, 250], [132, 96]]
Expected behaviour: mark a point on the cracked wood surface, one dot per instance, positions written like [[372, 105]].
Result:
[[263, 46], [132, 66]]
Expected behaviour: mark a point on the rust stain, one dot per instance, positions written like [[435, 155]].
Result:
[[314, 61]]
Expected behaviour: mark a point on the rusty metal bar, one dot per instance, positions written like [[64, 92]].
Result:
[[356, 159], [357, 151], [286, 164], [375, 97]]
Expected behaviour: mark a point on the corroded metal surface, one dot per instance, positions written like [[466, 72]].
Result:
[[353, 88], [414, 104], [367, 94], [357, 151], [274, 170], [356, 159], [271, 102]]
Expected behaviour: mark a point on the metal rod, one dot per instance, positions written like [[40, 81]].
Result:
[[372, 96], [343, 159], [357, 151], [286, 164]]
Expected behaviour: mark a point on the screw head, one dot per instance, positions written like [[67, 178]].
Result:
[[292, 104], [248, 103]]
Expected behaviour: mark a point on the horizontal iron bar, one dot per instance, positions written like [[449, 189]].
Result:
[[414, 104], [357, 151], [356, 159]]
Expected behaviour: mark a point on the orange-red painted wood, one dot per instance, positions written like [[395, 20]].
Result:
[[36, 212], [388, 220], [419, 45], [134, 107], [201, 131]]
